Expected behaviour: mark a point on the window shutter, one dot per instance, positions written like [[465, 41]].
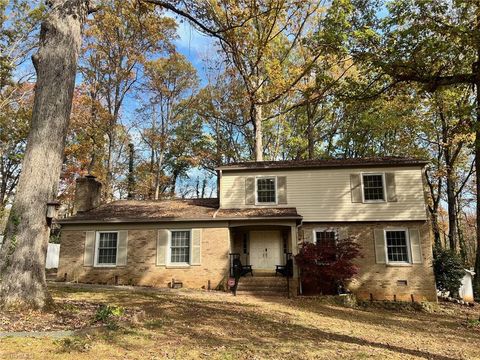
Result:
[[249, 190], [282, 189], [310, 236], [356, 188], [88, 256], [196, 246], [415, 245], [391, 190], [162, 243], [122, 248], [342, 233], [379, 246]]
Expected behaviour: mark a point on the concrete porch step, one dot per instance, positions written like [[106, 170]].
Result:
[[263, 273], [262, 293], [263, 280], [51, 274], [262, 286]]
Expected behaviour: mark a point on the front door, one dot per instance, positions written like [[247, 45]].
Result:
[[265, 249]]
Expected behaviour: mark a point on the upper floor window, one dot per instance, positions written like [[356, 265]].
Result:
[[106, 248], [397, 246], [266, 190], [373, 187], [180, 247]]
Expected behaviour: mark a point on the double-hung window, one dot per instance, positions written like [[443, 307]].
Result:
[[266, 190], [373, 187], [326, 241], [397, 246], [106, 249], [180, 247]]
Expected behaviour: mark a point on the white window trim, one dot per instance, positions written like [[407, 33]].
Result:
[[409, 249], [97, 243], [322, 229], [169, 249], [384, 185], [256, 190]]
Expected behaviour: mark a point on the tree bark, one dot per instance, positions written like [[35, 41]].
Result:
[[22, 257], [476, 73], [476, 281], [452, 210], [257, 124]]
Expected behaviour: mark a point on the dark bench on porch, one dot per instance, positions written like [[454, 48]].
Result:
[[285, 270], [244, 269]]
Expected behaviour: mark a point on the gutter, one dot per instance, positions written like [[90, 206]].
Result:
[[136, 221], [326, 166]]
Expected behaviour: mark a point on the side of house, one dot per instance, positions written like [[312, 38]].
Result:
[[381, 203]]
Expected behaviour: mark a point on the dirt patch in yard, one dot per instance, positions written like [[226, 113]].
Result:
[[66, 315]]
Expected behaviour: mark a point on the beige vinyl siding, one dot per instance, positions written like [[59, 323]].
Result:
[[325, 194]]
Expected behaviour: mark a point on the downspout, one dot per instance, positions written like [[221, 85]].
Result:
[[219, 178], [300, 290]]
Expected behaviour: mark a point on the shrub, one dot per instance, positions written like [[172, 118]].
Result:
[[74, 344], [106, 312], [448, 270], [327, 269]]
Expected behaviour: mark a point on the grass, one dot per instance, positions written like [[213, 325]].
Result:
[[209, 325]]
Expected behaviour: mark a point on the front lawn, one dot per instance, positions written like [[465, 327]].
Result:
[[182, 324]]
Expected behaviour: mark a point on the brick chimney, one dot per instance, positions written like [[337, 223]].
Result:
[[88, 194]]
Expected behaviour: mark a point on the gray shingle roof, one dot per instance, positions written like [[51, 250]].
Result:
[[325, 163], [172, 210]]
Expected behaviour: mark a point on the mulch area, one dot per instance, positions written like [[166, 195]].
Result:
[[67, 315]]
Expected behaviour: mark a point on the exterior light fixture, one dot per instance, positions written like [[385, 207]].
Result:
[[52, 209]]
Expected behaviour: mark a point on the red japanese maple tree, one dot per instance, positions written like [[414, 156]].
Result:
[[327, 269]]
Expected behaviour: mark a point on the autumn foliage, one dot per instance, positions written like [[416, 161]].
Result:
[[327, 269]]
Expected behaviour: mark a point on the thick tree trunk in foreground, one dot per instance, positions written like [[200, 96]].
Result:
[[476, 280], [22, 257]]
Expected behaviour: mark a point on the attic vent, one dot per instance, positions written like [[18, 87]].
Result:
[[402, 283]]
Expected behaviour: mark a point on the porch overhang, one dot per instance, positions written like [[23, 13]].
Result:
[[260, 216]]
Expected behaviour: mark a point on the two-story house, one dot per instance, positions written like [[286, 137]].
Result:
[[264, 211]]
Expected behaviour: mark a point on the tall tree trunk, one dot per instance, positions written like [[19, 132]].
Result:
[[22, 257], [476, 71], [257, 125], [436, 229], [158, 173], [452, 211], [131, 174], [310, 130]]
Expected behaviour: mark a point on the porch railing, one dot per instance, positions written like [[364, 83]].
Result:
[[234, 271], [288, 258]]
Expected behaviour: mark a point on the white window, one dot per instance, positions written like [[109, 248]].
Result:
[[373, 187], [266, 190], [106, 248], [397, 246], [180, 247]]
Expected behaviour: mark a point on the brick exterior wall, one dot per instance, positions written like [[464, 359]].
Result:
[[141, 268], [380, 280]]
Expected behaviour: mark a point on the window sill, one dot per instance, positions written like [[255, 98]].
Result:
[[374, 201], [177, 266], [97, 266], [399, 264]]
